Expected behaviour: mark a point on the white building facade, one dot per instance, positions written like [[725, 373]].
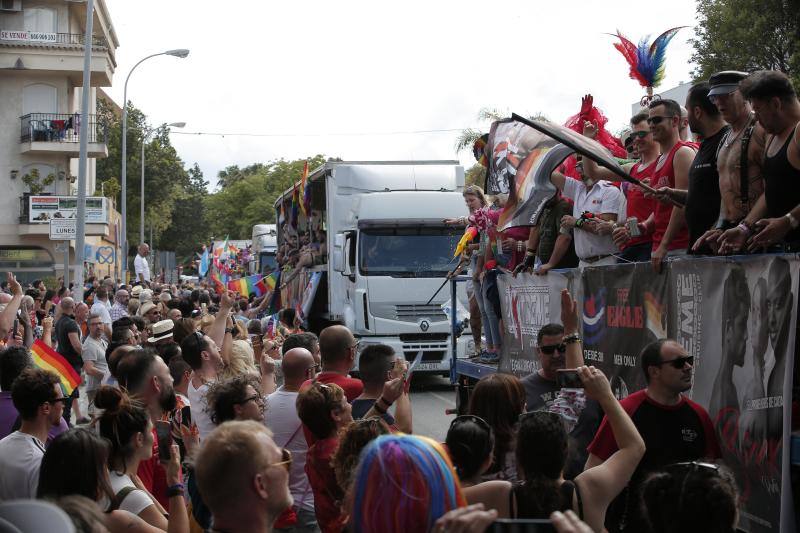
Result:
[[41, 73]]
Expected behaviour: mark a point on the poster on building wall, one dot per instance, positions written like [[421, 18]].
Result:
[[41, 209], [528, 302], [738, 319]]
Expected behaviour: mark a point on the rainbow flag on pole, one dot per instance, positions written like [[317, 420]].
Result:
[[46, 358], [303, 190]]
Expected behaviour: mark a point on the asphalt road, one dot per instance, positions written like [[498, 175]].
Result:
[[430, 397]]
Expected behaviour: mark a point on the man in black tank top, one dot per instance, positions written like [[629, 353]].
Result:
[[775, 219]]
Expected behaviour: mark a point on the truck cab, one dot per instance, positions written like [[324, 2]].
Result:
[[389, 252]]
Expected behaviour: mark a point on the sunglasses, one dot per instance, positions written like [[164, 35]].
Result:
[[652, 121], [254, 398], [635, 135], [286, 460], [678, 362], [549, 350]]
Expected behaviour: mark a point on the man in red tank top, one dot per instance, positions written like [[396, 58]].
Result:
[[670, 236]]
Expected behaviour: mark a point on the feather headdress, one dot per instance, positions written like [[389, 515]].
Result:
[[647, 61]]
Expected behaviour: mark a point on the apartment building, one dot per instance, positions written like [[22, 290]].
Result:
[[41, 78]]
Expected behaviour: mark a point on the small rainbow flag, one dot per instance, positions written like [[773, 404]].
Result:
[[46, 358], [273, 279], [250, 285], [303, 190], [219, 287]]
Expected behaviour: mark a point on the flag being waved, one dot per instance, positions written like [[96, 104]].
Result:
[[46, 358]]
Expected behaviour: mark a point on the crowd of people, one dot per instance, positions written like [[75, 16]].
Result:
[[196, 414], [728, 191]]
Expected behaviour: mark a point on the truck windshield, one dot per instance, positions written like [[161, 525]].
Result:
[[267, 262], [413, 252]]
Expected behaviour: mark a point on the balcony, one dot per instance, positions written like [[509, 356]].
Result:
[[56, 52], [48, 133]]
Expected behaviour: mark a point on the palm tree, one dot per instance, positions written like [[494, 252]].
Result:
[[468, 136]]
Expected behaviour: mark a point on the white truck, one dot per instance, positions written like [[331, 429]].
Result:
[[265, 248], [389, 252]]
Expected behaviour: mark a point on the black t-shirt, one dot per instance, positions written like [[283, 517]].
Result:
[[672, 434], [702, 205], [65, 326]]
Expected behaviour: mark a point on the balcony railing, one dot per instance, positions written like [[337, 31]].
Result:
[[24, 37], [60, 127]]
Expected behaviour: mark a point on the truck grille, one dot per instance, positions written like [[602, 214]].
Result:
[[431, 351], [412, 312]]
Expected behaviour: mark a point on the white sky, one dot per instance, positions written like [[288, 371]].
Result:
[[314, 68]]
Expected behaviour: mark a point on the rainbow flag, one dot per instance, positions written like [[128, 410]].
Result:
[[273, 279], [303, 205], [219, 287], [250, 285], [47, 358]]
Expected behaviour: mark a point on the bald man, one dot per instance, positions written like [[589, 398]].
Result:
[[280, 416], [338, 349], [140, 265]]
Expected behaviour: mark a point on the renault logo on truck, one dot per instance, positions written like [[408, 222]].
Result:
[[424, 325]]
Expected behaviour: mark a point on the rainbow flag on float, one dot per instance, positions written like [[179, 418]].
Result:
[[46, 358]]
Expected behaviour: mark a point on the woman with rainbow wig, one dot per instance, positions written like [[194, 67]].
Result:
[[403, 483]]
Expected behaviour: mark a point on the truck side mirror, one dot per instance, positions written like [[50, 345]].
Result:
[[339, 252]]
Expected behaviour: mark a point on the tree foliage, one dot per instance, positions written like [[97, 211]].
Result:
[[747, 35], [248, 199], [188, 229], [166, 179]]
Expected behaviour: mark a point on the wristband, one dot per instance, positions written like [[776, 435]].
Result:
[[378, 408], [793, 222], [570, 339], [746, 227], [175, 490], [386, 402], [530, 253]]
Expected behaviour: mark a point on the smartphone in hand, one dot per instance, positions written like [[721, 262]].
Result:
[[568, 378], [164, 436]]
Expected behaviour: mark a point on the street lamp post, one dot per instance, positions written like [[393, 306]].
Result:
[[147, 135], [182, 53]]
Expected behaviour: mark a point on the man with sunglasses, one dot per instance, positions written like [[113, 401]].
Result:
[[251, 496], [38, 397], [559, 347], [670, 236], [740, 184], [674, 428], [633, 247]]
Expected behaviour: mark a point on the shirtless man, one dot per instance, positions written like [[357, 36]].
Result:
[[735, 111]]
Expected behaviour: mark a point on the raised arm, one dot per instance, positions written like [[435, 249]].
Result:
[[602, 483], [10, 312], [569, 318], [217, 331]]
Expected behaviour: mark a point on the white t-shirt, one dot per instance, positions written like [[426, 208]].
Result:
[[198, 407], [102, 308], [20, 459], [602, 198], [140, 266], [95, 351], [280, 416], [136, 500]]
